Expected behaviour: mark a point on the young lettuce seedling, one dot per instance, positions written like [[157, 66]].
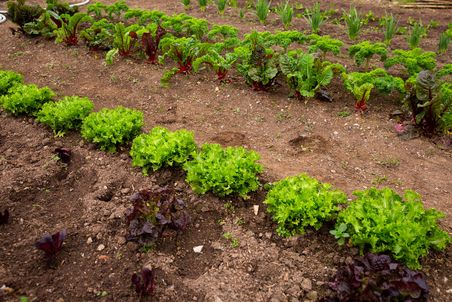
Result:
[[144, 282], [51, 244]]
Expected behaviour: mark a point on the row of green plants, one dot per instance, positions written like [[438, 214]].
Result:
[[376, 220], [260, 57]]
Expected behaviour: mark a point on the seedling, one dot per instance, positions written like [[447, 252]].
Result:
[[353, 22], [233, 241], [144, 282], [202, 5], [285, 12], [314, 17], [51, 244], [417, 32], [390, 25], [340, 233], [262, 10], [221, 5]]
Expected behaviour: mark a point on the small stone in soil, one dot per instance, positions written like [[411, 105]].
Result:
[[198, 249], [89, 240], [101, 247]]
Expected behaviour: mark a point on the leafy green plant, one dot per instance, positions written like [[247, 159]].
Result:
[[45, 25], [9, 79], [298, 202], [219, 33], [202, 5], [60, 7], [314, 17], [413, 60], [305, 74], [112, 12], [285, 12], [186, 3], [364, 51], [151, 36], [183, 25], [66, 114], [124, 41], [183, 51], [67, 33], [22, 13], [429, 100], [99, 36], [262, 10], [382, 221], [161, 147], [353, 22], [443, 43], [221, 5], [360, 84], [109, 128], [340, 233], [323, 45], [221, 64], [417, 32], [224, 171], [26, 99], [390, 25]]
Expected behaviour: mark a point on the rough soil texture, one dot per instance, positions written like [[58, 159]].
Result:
[[88, 197]]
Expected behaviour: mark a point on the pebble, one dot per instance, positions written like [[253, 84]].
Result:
[[306, 284], [101, 247], [198, 249], [256, 209], [89, 241], [312, 295]]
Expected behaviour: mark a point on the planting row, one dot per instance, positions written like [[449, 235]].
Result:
[[377, 220], [260, 57]]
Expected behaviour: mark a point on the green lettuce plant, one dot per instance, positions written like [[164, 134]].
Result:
[[224, 171], [110, 128], [9, 79], [161, 147], [299, 202], [26, 99], [66, 114], [383, 221]]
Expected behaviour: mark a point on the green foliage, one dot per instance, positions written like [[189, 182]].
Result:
[[221, 5], [161, 147], [298, 202], [202, 5], [285, 12], [413, 60], [9, 79], [353, 22], [364, 51], [443, 43], [66, 114], [314, 17], [305, 74], [390, 25], [382, 221], [99, 35], [26, 99], [186, 3], [417, 32], [144, 17], [183, 25], [262, 10], [221, 64], [430, 100], [109, 128], [43, 26], [224, 171], [111, 12], [60, 7], [124, 41], [324, 44], [67, 33], [21, 13], [219, 33], [360, 84]]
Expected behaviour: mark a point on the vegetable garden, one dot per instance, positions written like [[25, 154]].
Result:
[[225, 151]]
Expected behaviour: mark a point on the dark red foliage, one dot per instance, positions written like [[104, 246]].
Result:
[[151, 44], [145, 282], [4, 217], [360, 106], [377, 278], [153, 212], [221, 74], [51, 244], [64, 154]]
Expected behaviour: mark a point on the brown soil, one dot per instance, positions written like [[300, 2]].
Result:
[[44, 195]]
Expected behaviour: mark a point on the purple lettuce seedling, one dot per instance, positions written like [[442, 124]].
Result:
[[145, 282], [64, 154], [51, 244]]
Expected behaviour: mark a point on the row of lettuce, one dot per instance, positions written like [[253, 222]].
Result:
[[260, 57], [377, 220]]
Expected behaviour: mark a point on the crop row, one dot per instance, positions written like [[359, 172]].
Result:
[[260, 57]]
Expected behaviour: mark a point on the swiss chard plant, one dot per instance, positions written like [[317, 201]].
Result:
[[361, 84], [144, 282], [51, 244], [182, 51], [9, 79], [364, 51], [61, 7], [429, 99], [22, 13], [125, 40], [67, 33], [299, 202], [414, 60], [109, 128], [383, 221], [99, 35], [161, 147], [224, 171], [26, 99], [377, 278], [221, 64], [305, 74], [154, 212], [66, 114], [45, 25], [150, 40]]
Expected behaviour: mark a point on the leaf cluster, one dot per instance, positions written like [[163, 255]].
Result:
[[161, 147], [67, 33], [66, 114], [99, 35], [324, 44], [9, 79], [22, 13], [298, 202], [109, 128], [377, 278], [51, 244], [144, 282], [224, 171], [414, 60], [382, 221], [364, 51], [26, 99]]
